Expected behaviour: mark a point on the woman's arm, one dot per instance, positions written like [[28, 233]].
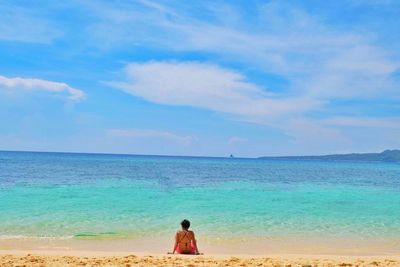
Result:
[[196, 250], [176, 243]]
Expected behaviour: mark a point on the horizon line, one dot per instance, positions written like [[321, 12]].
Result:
[[231, 156], [129, 154]]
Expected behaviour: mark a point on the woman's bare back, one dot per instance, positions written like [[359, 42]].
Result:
[[185, 239]]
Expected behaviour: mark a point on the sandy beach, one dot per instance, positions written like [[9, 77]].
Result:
[[100, 258], [153, 252]]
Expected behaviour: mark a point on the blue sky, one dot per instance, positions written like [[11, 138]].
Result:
[[209, 78]]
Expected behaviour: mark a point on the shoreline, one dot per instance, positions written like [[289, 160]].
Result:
[[105, 253], [162, 244], [132, 258]]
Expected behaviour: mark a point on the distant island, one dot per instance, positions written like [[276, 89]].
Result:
[[385, 156]]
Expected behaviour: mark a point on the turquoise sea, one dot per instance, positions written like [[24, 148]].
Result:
[[70, 195]]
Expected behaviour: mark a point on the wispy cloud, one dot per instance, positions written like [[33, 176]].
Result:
[[18, 85], [281, 38], [206, 86], [234, 140], [365, 122], [222, 90], [310, 135], [293, 67], [318, 61], [139, 134], [24, 25]]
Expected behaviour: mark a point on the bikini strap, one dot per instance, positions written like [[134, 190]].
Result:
[[185, 235]]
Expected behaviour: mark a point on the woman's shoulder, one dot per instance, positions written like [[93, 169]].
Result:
[[184, 231], [191, 233]]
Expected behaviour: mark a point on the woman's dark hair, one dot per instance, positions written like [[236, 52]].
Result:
[[185, 224]]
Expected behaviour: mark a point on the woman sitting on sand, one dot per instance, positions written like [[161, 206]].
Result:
[[185, 242]]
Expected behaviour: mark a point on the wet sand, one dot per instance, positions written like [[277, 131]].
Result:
[[99, 258]]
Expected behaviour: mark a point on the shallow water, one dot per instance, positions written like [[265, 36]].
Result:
[[94, 196]]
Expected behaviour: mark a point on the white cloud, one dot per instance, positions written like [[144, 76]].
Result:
[[18, 84], [314, 57], [319, 63], [373, 2], [234, 140], [385, 123], [222, 90], [358, 72], [23, 25], [152, 134], [206, 86], [318, 59], [308, 135]]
